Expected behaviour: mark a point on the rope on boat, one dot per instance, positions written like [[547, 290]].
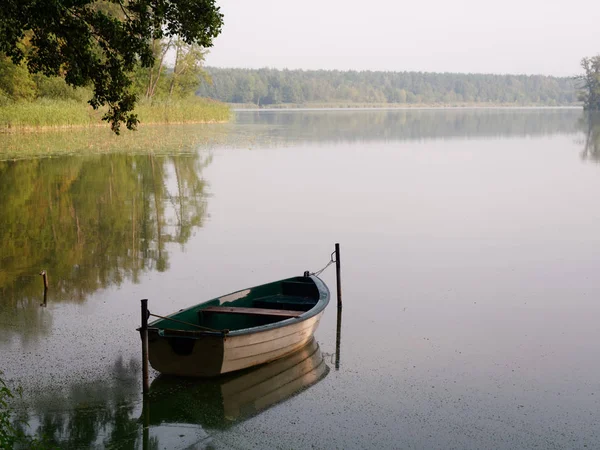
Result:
[[331, 261], [186, 323]]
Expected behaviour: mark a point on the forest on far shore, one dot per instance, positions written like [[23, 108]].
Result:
[[270, 87]]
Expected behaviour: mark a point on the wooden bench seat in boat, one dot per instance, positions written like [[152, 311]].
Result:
[[250, 311], [286, 302]]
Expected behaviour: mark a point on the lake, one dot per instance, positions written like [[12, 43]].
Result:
[[470, 255]]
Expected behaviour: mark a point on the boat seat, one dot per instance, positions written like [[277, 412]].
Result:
[[284, 302], [250, 311]]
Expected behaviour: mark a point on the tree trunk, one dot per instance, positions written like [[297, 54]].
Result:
[[153, 82], [174, 70]]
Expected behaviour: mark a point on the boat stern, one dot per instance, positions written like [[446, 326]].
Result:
[[189, 356]]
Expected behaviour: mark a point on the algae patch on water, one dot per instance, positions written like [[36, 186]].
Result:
[[163, 139]]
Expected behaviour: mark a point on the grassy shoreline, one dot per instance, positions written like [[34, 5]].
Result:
[[43, 115]]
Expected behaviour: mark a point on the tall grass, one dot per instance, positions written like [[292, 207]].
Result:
[[198, 110], [45, 113]]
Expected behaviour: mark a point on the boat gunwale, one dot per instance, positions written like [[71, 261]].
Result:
[[322, 302]]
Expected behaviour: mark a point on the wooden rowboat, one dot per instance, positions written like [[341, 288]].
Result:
[[239, 330]]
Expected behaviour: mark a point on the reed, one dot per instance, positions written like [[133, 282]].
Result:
[[47, 114], [196, 110]]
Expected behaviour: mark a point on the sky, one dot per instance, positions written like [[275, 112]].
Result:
[[546, 37]]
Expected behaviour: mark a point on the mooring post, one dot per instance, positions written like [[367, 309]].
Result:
[[44, 279], [144, 334], [338, 339], [338, 272]]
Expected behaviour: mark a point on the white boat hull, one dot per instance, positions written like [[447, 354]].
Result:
[[216, 355]]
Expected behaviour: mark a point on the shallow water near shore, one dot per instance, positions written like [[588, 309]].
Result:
[[470, 252]]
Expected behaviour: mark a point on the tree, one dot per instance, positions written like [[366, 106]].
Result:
[[15, 81], [590, 90], [155, 72], [100, 42], [187, 70]]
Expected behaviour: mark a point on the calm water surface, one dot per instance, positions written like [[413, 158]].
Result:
[[470, 247]]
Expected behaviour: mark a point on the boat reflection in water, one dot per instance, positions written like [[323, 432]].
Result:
[[175, 405]]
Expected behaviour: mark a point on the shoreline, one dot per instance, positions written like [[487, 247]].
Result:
[[391, 106], [44, 115], [48, 128], [9, 129]]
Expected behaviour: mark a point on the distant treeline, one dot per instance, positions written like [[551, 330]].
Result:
[[265, 87]]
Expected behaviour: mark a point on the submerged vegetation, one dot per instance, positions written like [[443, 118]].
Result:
[[270, 87], [156, 140]]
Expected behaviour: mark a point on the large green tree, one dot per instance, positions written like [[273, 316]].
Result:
[[590, 89], [99, 43]]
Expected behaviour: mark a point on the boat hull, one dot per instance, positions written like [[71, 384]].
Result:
[[214, 355], [239, 330]]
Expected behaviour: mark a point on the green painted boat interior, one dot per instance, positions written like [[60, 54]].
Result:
[[291, 294]]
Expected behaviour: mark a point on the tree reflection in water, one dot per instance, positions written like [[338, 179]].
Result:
[[590, 123], [91, 223], [91, 414]]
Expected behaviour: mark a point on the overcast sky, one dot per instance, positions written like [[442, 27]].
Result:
[[510, 36]]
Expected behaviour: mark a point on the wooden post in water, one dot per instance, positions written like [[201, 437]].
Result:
[[45, 281], [338, 272], [338, 339], [144, 334]]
